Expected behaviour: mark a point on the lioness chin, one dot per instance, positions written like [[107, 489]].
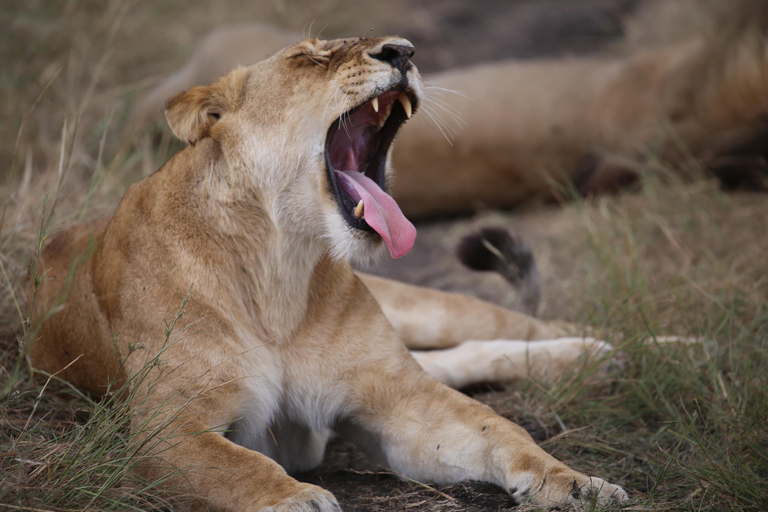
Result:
[[279, 342]]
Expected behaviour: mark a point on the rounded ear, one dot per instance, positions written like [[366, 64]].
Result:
[[191, 114]]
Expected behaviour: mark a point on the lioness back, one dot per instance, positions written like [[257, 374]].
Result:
[[91, 271]]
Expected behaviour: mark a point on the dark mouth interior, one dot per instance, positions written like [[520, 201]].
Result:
[[355, 142]]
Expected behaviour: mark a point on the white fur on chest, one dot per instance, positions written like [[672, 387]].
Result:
[[288, 409]]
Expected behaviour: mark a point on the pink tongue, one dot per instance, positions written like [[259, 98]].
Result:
[[380, 211]]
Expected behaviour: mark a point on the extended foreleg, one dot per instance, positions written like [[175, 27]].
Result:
[[426, 431]]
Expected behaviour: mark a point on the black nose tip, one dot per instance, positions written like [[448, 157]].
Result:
[[398, 55]]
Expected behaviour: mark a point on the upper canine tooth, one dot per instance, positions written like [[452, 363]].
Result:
[[359, 209], [375, 103], [403, 98]]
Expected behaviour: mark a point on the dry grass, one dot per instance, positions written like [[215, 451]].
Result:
[[682, 427], [686, 424]]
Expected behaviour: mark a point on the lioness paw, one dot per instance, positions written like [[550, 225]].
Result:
[[310, 499], [596, 491], [568, 488]]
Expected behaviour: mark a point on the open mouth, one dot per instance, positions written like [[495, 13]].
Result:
[[356, 150]]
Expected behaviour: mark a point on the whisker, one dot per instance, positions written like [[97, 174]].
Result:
[[321, 31], [347, 102], [444, 104], [344, 113], [440, 89], [453, 114], [440, 124], [308, 32], [339, 111], [327, 103], [435, 107], [313, 60]]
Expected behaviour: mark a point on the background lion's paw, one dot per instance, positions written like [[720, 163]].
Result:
[[563, 353]]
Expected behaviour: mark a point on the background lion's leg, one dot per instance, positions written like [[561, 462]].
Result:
[[475, 362], [429, 319]]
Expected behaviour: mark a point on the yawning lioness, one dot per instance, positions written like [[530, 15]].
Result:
[[278, 343]]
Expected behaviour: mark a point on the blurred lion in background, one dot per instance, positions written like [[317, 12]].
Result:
[[689, 91]]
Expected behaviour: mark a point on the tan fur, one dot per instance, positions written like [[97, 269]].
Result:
[[696, 85], [534, 127], [221, 289]]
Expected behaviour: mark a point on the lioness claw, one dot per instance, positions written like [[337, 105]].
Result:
[[307, 500]]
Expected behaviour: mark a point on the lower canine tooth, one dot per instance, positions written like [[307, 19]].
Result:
[[403, 98], [385, 115], [359, 210], [375, 103]]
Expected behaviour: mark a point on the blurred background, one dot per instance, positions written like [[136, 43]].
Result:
[[94, 58], [681, 428]]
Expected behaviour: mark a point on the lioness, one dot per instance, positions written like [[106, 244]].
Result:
[[279, 343]]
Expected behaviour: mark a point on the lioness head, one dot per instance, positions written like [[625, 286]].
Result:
[[307, 134]]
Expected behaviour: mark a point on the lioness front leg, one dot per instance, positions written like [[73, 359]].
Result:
[[422, 429], [223, 476], [182, 408]]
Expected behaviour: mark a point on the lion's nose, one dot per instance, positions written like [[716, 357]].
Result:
[[398, 55]]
